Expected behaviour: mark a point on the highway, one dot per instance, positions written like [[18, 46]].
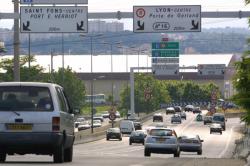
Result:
[[120, 153]]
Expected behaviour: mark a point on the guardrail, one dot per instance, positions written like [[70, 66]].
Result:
[[100, 132]]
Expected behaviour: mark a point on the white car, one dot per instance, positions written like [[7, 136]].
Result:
[[105, 114], [84, 125], [35, 118], [97, 123]]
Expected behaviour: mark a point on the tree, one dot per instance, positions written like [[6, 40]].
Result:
[[73, 86], [241, 82], [145, 84], [34, 73]]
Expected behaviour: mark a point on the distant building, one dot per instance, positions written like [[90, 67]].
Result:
[[103, 26]]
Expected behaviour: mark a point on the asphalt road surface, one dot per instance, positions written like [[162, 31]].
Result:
[[217, 149]]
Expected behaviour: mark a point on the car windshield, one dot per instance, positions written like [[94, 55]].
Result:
[[160, 132], [219, 118], [25, 98]]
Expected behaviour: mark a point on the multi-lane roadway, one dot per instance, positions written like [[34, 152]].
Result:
[[217, 149]]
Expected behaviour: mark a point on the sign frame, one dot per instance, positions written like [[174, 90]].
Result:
[[170, 69], [211, 69], [165, 60], [53, 2], [82, 16], [178, 28]]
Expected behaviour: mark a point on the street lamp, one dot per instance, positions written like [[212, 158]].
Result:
[[52, 54], [111, 56], [139, 50], [91, 69]]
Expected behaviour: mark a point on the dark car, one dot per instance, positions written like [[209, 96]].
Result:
[[137, 137], [113, 133], [158, 117], [207, 119], [215, 128], [183, 115], [137, 125], [197, 110], [176, 118], [190, 144], [177, 109], [219, 118], [189, 108]]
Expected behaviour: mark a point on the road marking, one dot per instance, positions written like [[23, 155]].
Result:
[[228, 141], [184, 127]]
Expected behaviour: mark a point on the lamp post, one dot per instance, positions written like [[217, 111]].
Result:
[[111, 59], [91, 70], [139, 50]]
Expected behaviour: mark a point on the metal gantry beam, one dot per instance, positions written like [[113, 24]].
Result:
[[120, 15]]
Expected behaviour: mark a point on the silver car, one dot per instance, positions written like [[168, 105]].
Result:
[[176, 118], [161, 140]]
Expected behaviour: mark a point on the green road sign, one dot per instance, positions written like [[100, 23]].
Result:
[[165, 53], [165, 45]]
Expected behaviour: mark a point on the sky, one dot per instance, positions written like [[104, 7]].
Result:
[[6, 6]]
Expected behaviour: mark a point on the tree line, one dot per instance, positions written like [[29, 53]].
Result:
[[149, 92]]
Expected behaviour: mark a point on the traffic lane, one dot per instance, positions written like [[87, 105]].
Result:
[[214, 145], [126, 161], [122, 148]]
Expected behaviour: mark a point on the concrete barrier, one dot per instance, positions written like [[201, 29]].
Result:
[[234, 115]]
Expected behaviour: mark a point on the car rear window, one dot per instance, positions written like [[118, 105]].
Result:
[[160, 132], [25, 98]]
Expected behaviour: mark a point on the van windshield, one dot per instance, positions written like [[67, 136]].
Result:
[[25, 98]]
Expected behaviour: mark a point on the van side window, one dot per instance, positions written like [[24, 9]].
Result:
[[62, 101]]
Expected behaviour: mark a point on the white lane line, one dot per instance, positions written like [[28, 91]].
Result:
[[188, 124], [228, 142]]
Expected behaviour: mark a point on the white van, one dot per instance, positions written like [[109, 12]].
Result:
[[127, 126], [35, 118]]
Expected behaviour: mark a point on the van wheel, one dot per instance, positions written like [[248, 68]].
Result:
[[130, 143], [147, 153], [199, 152], [107, 138], [59, 154], [68, 154], [2, 157], [177, 154]]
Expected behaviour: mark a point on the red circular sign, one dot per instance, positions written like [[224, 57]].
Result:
[[140, 12], [112, 116]]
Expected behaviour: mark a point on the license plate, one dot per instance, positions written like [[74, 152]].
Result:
[[17, 127], [161, 140]]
